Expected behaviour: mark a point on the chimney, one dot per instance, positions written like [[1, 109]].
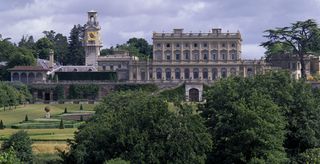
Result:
[[51, 58]]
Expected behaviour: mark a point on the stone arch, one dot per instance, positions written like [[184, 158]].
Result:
[[23, 77], [194, 95], [15, 76], [31, 77], [159, 73]]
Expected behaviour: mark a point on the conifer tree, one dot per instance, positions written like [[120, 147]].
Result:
[[26, 118], [1, 125], [61, 126], [65, 110]]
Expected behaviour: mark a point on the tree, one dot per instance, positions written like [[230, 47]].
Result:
[[65, 110], [43, 47], [28, 43], [148, 134], [61, 126], [76, 55], [246, 125], [107, 51], [9, 157], [142, 45], [81, 107], [117, 161], [299, 37], [26, 118], [1, 125], [60, 45], [310, 156], [21, 144]]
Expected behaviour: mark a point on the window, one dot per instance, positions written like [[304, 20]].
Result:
[[177, 73], [224, 56], [158, 55], [214, 56], [195, 56], [111, 67], [168, 57], [177, 45], [233, 56], [150, 73], [195, 45], [177, 56], [186, 45], [119, 66], [205, 73], [186, 55], [195, 73], [214, 73], [223, 45], [104, 68], [75, 70], [233, 45], [205, 56], [158, 45], [159, 73], [168, 74], [205, 45], [223, 73], [168, 45], [186, 73]]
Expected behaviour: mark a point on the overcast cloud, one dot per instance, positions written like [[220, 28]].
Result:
[[121, 20]]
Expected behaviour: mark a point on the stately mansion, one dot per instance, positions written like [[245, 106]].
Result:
[[192, 59]]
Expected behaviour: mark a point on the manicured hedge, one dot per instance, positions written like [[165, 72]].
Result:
[[134, 87], [74, 76], [45, 125], [82, 91]]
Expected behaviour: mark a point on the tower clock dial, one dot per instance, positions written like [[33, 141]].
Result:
[[92, 36]]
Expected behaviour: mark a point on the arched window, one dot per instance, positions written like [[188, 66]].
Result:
[[223, 72], [186, 55], [15, 76], [233, 72], [186, 73], [250, 72], [168, 73], [23, 77], [159, 73], [205, 73], [178, 56], [168, 55], [195, 56], [177, 73], [214, 73], [75, 70], [195, 73], [214, 55], [90, 70], [39, 76], [31, 77]]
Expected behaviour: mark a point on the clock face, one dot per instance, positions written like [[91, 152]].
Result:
[[92, 36]]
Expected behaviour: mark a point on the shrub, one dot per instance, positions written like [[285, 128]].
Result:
[[1, 125], [21, 144], [81, 107], [61, 126], [26, 118], [65, 110]]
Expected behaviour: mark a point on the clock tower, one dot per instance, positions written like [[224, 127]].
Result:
[[92, 39]]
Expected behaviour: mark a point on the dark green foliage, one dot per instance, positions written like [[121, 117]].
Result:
[[174, 95], [117, 161], [43, 48], [1, 125], [10, 96], [310, 156], [73, 76], [141, 45], [61, 126], [60, 45], [107, 51], [9, 157], [136, 87], [138, 127], [296, 100], [21, 144], [246, 125], [65, 110], [81, 107], [83, 91], [76, 54], [26, 118], [59, 91]]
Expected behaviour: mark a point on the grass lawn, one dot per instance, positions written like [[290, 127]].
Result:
[[37, 111], [43, 134]]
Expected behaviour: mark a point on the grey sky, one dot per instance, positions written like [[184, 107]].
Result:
[[123, 19]]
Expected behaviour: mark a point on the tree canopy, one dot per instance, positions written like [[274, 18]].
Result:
[[300, 38], [137, 127]]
